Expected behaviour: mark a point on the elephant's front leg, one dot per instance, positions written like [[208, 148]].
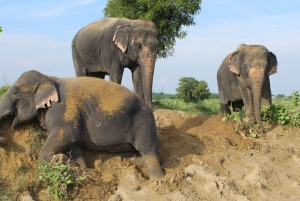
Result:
[[116, 72], [247, 96], [137, 81], [59, 143]]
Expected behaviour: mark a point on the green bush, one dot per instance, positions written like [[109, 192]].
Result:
[[59, 179], [283, 114]]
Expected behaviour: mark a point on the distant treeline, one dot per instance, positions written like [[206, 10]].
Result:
[[162, 95]]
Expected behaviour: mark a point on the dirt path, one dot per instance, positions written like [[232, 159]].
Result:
[[203, 159]]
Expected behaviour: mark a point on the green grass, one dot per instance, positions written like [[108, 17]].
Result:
[[207, 107], [3, 89]]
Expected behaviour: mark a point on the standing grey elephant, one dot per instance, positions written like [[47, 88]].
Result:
[[83, 112], [107, 46], [243, 80]]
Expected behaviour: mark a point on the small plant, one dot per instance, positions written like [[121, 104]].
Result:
[[5, 195], [240, 125], [295, 98], [39, 136], [59, 179], [275, 113], [23, 169]]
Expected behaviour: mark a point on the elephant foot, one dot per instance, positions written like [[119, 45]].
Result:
[[250, 120], [154, 167], [59, 158]]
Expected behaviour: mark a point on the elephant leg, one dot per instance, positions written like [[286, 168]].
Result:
[[145, 141], [224, 103], [56, 145], [153, 167], [116, 73], [78, 64], [77, 156], [137, 81]]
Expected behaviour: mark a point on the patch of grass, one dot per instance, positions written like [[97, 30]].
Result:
[[5, 194], [23, 169], [61, 180], [3, 89], [39, 136], [285, 112], [206, 107], [19, 183], [240, 125]]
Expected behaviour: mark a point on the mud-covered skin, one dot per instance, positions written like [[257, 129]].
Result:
[[108, 45], [243, 80], [104, 117]]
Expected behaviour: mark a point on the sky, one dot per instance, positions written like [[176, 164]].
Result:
[[37, 35]]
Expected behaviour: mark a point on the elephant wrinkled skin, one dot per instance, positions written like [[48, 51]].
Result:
[[243, 80], [108, 45], [83, 112]]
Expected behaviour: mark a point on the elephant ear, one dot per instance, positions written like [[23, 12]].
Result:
[[45, 93], [234, 60], [272, 64], [121, 37]]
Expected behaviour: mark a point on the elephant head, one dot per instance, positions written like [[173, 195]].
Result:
[[252, 65], [138, 41], [30, 92]]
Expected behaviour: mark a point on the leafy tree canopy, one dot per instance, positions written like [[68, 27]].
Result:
[[168, 15], [0, 29], [192, 90]]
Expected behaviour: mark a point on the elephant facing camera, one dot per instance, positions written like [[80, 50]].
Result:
[[243, 80]]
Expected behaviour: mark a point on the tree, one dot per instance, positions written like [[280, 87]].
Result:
[[168, 15], [0, 29], [191, 90]]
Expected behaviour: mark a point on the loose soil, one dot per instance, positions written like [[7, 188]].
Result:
[[202, 157]]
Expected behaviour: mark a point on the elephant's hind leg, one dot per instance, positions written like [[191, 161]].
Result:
[[153, 167], [78, 64]]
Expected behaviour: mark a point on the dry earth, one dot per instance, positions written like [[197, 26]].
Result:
[[202, 157]]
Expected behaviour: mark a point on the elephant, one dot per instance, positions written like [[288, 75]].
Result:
[[108, 45], [83, 112], [243, 80]]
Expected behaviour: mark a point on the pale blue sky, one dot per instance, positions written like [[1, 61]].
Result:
[[38, 34]]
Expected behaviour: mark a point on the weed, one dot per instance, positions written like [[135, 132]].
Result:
[[3, 89], [295, 98], [5, 195], [277, 113], [19, 183], [240, 125], [22, 169], [59, 179]]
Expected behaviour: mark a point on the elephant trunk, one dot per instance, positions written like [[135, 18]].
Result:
[[148, 66], [257, 79]]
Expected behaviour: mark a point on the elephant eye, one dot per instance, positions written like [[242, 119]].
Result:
[[246, 69], [139, 45]]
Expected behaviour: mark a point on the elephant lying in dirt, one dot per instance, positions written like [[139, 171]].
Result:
[[243, 79], [83, 112]]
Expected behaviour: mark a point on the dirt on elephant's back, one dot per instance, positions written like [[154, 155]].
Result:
[[202, 157]]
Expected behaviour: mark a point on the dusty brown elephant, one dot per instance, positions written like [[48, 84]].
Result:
[[243, 80], [83, 112], [107, 46]]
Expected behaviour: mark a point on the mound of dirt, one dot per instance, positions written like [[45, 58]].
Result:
[[202, 157]]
